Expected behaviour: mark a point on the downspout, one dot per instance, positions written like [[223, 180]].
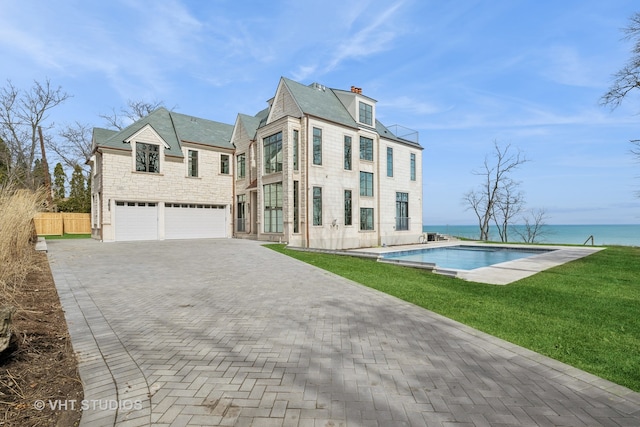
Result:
[[234, 164], [378, 193], [248, 172], [306, 183]]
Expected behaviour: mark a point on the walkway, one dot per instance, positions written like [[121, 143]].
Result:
[[226, 332]]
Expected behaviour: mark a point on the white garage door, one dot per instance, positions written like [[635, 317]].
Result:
[[194, 221], [136, 221]]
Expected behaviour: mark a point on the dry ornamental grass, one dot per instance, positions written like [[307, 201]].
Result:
[[39, 363]]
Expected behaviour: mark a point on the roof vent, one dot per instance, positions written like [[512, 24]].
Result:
[[318, 86]]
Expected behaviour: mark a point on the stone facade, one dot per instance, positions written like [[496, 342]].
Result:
[[333, 230]]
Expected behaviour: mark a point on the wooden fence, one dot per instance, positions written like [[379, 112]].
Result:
[[57, 224]]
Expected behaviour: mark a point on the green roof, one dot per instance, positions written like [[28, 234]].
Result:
[[172, 128], [320, 102]]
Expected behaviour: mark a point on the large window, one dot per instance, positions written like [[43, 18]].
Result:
[[273, 208], [348, 212], [366, 184], [272, 153], [402, 211], [317, 146], [317, 206], [366, 148], [366, 114], [224, 164], [296, 207], [242, 165], [192, 166], [241, 214], [147, 157], [389, 161], [296, 149], [347, 153], [366, 218], [413, 167]]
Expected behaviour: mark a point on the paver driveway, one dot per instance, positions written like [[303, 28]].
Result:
[[226, 332]]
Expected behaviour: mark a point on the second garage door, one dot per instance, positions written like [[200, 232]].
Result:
[[194, 221]]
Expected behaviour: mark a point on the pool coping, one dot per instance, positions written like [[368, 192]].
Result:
[[497, 274]]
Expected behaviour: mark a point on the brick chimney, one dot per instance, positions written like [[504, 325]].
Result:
[[357, 90]]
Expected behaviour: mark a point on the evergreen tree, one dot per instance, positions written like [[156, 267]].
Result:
[[77, 201], [59, 181], [38, 174]]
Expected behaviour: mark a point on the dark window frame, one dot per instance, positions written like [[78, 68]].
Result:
[[224, 164], [317, 205], [272, 153], [365, 113], [192, 163], [348, 153], [366, 148], [366, 219], [366, 184], [147, 157], [317, 146], [402, 211], [348, 207]]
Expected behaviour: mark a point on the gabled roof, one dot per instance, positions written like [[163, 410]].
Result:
[[319, 101], [173, 128]]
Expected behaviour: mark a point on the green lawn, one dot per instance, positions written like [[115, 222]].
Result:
[[68, 236], [585, 313]]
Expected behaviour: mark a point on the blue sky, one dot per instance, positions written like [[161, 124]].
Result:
[[463, 73]]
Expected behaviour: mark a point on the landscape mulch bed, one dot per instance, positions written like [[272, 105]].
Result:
[[40, 364]]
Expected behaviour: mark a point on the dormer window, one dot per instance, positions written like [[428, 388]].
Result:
[[147, 157], [366, 114]]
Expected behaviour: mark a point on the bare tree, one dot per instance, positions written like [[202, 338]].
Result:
[[627, 79], [73, 145], [21, 113], [135, 111], [534, 226], [491, 195], [508, 205]]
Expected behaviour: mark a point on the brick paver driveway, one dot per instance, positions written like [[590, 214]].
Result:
[[226, 332]]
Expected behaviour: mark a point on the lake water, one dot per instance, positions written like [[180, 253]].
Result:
[[626, 235]]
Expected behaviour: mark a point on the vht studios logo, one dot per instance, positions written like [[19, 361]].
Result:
[[86, 405]]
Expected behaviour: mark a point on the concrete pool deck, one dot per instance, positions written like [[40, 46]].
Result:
[[502, 273]]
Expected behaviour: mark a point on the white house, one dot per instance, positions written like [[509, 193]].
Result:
[[316, 168], [166, 176]]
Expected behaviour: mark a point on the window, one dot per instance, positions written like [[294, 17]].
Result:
[[347, 153], [224, 163], [348, 215], [242, 198], [366, 148], [272, 153], [192, 166], [147, 157], [366, 218], [366, 184], [241, 165], [413, 167], [402, 211], [317, 206], [272, 194], [317, 146], [366, 114], [389, 161], [295, 150], [296, 208]]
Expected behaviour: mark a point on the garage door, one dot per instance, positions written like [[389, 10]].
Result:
[[194, 221], [136, 221]]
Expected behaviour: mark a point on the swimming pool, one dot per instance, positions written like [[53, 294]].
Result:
[[464, 257]]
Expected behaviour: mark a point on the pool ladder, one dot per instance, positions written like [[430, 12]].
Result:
[[589, 238]]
